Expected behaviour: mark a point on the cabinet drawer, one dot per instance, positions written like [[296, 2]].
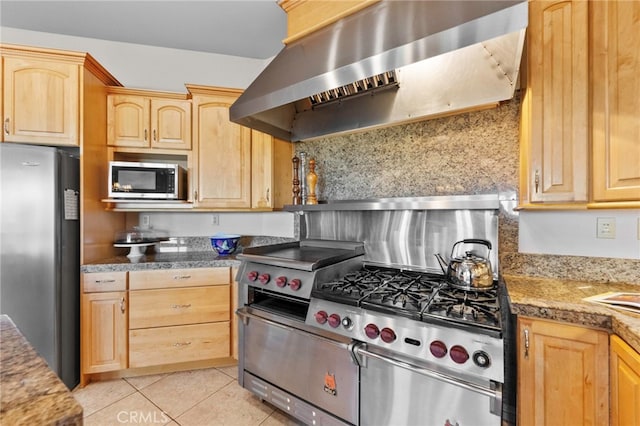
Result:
[[168, 278], [177, 306], [169, 345], [104, 281]]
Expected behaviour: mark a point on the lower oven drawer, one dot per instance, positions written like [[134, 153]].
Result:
[[312, 368], [169, 345], [394, 394]]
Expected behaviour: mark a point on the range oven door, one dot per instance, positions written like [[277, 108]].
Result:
[[313, 368], [394, 392]]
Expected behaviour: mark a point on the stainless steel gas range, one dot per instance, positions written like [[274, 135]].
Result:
[[356, 324]]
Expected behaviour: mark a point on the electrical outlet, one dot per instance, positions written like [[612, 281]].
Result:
[[146, 221], [606, 227], [215, 219]]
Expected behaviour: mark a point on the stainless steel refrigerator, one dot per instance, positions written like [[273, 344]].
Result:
[[40, 251]]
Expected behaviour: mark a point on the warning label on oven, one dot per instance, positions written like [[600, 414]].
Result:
[[330, 383]]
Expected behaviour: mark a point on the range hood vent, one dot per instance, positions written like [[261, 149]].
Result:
[[378, 82], [440, 56]]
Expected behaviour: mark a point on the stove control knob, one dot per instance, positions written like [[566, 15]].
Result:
[[334, 320], [372, 331], [387, 335], [481, 359], [459, 354], [281, 281], [347, 323], [264, 278], [438, 349], [295, 284], [252, 275], [321, 317]]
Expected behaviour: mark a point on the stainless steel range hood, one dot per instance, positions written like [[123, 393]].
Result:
[[441, 57]]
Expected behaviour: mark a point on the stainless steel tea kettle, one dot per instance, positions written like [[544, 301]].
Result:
[[469, 272]]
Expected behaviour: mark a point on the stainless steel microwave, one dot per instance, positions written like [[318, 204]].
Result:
[[147, 181]]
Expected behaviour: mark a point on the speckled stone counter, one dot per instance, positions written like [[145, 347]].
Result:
[[195, 259], [31, 394], [562, 300]]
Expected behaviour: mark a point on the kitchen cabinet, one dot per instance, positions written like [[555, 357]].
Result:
[[221, 175], [562, 373], [41, 100], [234, 308], [145, 119], [615, 100], [555, 132], [307, 16], [625, 383], [178, 315], [271, 171], [580, 137], [103, 323]]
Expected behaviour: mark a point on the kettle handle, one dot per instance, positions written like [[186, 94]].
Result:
[[471, 241]]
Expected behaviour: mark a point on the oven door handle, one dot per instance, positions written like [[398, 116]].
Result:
[[246, 316], [494, 394]]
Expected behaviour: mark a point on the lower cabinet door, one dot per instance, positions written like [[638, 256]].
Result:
[[170, 345]]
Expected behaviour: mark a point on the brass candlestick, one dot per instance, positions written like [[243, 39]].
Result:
[[312, 180], [296, 182]]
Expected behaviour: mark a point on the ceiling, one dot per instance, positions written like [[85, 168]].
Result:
[[247, 28]]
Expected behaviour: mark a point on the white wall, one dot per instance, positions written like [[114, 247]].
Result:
[[148, 67], [275, 224], [574, 233]]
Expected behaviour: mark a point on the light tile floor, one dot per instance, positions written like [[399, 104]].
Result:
[[207, 397]]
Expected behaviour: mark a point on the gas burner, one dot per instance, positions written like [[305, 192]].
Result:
[[479, 308]]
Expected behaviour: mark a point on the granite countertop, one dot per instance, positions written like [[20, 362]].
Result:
[[172, 260], [562, 300], [31, 393]]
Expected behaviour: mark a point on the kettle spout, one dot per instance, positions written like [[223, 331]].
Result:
[[443, 263]]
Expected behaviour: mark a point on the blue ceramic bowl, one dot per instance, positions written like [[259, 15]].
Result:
[[225, 244]]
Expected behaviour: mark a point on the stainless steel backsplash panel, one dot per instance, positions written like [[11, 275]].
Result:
[[406, 238]]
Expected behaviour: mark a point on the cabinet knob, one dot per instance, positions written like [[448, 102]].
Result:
[[154, 135], [536, 180], [145, 135], [122, 305], [6, 126], [526, 343]]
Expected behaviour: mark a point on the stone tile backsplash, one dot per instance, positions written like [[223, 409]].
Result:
[[471, 153]]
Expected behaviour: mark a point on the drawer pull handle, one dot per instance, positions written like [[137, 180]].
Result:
[[526, 343], [179, 344], [188, 305], [104, 281], [182, 277], [6, 126]]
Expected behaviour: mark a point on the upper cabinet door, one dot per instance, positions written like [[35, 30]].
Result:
[[223, 175], [615, 79], [170, 124], [128, 121], [41, 101], [557, 98]]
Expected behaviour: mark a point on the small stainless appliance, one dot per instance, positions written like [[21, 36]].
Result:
[[412, 347], [151, 181]]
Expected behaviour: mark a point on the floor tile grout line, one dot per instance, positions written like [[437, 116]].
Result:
[[158, 407], [113, 402]]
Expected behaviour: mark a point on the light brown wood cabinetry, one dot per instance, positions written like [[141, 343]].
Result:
[[271, 171], [615, 83], [580, 136], [556, 140], [178, 315], [625, 384], [221, 177], [234, 308], [149, 119], [103, 324], [307, 16], [41, 101], [562, 374]]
